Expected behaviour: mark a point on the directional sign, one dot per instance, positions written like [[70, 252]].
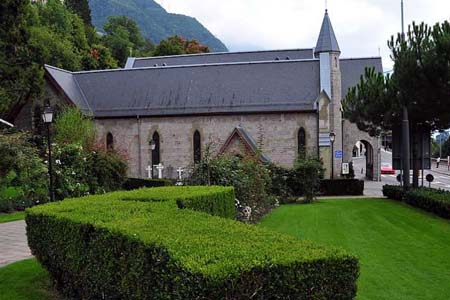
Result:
[[338, 154]]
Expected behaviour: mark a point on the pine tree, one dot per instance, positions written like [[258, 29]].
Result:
[[20, 78], [81, 8]]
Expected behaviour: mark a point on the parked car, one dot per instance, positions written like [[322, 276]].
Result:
[[386, 168]]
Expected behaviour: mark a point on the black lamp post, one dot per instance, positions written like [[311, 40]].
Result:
[[47, 117], [332, 138]]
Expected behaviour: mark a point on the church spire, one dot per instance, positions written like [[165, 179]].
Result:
[[327, 41]]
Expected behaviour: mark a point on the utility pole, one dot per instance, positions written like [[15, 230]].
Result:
[[405, 128]]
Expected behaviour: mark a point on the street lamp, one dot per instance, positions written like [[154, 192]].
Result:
[[47, 117], [332, 138]]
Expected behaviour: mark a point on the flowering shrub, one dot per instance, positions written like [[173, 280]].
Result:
[[249, 177], [23, 175], [79, 172]]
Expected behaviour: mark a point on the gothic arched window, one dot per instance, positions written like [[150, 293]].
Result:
[[197, 147], [301, 142], [109, 141], [156, 155]]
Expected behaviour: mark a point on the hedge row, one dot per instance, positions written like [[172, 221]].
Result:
[[102, 247], [137, 183], [342, 187], [431, 200]]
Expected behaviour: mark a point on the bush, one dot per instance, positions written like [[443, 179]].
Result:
[[393, 192], [101, 247], [249, 177], [302, 180], [431, 200], [23, 175], [342, 187], [137, 183]]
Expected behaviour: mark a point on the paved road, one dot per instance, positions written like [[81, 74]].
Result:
[[441, 175], [13, 243]]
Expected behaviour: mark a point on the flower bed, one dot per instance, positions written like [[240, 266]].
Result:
[[102, 247]]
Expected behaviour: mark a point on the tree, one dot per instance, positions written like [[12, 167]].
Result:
[[123, 37], [177, 45], [420, 81], [20, 77], [81, 8], [58, 37]]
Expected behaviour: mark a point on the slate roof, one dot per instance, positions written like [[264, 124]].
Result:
[[224, 57], [255, 87], [353, 68], [327, 41]]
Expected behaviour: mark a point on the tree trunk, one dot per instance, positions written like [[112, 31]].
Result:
[[415, 146]]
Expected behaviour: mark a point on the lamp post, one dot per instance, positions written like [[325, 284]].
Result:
[[152, 145], [332, 138], [47, 117]]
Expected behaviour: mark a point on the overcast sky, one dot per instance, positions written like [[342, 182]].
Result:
[[361, 26]]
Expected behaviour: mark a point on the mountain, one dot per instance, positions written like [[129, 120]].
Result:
[[155, 22]]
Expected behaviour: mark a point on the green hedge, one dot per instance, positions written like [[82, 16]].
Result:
[[137, 183], [394, 192], [342, 187], [431, 200], [101, 247]]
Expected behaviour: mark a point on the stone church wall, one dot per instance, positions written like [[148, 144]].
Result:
[[275, 134]]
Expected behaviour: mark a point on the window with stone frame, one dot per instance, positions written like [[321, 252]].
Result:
[[109, 142], [302, 142], [156, 153], [197, 147]]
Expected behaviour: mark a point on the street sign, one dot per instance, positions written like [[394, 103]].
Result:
[[338, 154], [345, 169]]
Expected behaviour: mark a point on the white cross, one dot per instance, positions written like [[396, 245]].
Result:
[[149, 171], [160, 169], [180, 173]]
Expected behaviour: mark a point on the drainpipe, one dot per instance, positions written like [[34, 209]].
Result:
[[139, 146], [318, 130]]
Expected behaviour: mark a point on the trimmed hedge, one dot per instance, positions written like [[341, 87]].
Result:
[[431, 200], [137, 183], [394, 192], [342, 187], [102, 247]]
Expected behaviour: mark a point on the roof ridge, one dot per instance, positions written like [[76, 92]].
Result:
[[220, 53], [57, 69]]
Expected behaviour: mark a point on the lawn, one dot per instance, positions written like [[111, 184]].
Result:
[[404, 253], [25, 280], [12, 217]]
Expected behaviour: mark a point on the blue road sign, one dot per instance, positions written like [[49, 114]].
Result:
[[338, 154]]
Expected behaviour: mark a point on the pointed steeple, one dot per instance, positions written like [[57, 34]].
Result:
[[327, 41]]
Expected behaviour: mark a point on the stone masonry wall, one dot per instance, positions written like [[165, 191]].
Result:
[[276, 134]]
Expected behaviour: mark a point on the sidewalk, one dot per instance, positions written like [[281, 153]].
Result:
[[13, 243]]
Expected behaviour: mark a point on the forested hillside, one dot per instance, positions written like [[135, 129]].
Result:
[[154, 21]]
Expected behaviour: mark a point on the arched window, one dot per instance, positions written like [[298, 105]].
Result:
[[156, 155], [197, 147], [109, 141], [301, 142]]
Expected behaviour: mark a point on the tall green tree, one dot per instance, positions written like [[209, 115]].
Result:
[[20, 77], [123, 37], [420, 81], [81, 8]]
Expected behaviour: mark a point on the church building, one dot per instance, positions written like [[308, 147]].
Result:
[[166, 110]]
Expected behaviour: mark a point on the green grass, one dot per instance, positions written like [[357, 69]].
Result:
[[25, 280], [12, 217], [404, 253]]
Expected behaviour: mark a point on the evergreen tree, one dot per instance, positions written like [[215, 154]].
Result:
[[20, 78], [81, 8], [421, 82]]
